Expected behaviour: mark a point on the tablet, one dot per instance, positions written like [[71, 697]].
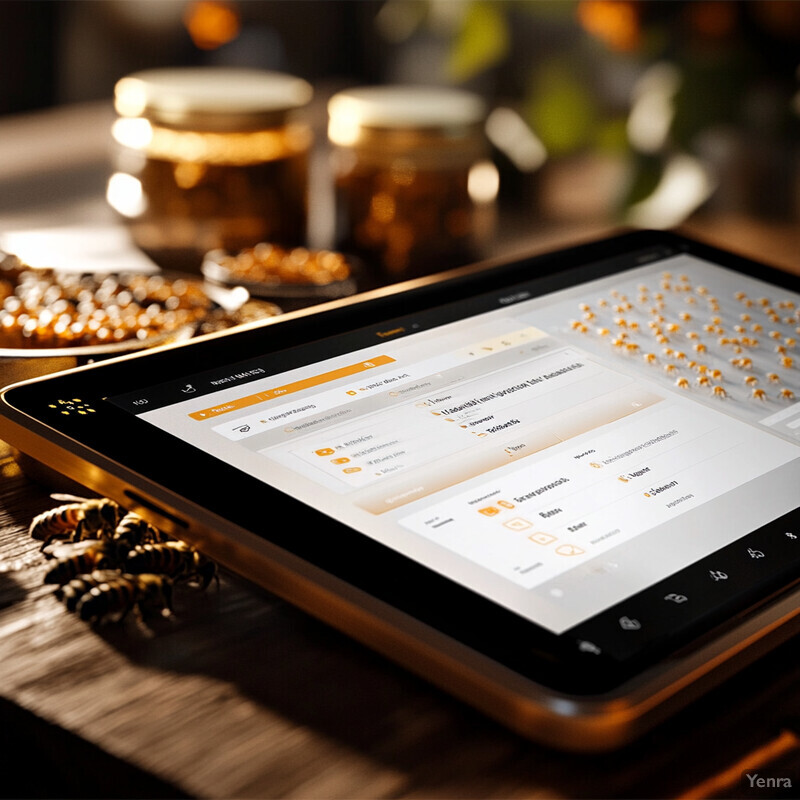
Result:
[[563, 488]]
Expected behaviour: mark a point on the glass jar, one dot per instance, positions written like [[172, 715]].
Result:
[[414, 187], [210, 158]]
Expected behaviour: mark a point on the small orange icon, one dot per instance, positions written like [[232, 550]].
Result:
[[489, 511], [351, 392], [569, 550], [518, 524], [349, 470], [542, 538], [505, 504], [622, 478], [342, 460], [595, 465], [325, 451]]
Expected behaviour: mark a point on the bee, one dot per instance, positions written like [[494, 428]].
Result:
[[133, 529], [82, 518], [178, 560], [84, 558], [116, 598], [72, 591]]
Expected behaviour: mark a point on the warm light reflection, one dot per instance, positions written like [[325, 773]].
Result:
[[653, 109], [684, 186], [130, 97], [711, 18], [615, 22], [124, 194], [237, 149], [508, 132], [344, 125], [134, 133], [211, 24], [483, 182]]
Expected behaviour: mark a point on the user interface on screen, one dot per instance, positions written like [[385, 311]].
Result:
[[555, 454]]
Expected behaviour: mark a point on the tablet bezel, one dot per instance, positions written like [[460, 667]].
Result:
[[148, 477]]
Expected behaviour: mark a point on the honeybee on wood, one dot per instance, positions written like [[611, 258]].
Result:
[[72, 591], [133, 529], [114, 599], [178, 560], [84, 558], [81, 518]]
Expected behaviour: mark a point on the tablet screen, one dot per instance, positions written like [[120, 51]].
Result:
[[605, 460]]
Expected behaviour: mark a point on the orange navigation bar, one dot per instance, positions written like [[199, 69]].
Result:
[[290, 388]]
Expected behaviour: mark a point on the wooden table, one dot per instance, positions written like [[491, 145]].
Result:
[[240, 695]]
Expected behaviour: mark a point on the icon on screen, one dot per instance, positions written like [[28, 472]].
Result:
[[676, 598], [188, 389], [569, 550], [72, 406], [630, 624]]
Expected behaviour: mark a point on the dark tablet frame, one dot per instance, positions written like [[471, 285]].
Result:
[[282, 343]]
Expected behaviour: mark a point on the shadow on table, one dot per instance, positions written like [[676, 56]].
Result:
[[316, 677]]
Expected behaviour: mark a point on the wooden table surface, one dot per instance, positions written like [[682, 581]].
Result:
[[239, 695]]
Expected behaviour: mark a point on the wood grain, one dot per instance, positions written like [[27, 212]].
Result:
[[239, 695]]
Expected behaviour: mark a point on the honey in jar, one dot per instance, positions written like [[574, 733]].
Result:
[[414, 187], [210, 158]]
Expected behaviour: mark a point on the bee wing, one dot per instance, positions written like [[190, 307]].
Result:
[[68, 498], [67, 549]]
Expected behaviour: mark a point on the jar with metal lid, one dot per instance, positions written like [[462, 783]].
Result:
[[414, 185], [210, 158]]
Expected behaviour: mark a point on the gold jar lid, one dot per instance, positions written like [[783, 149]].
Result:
[[405, 110], [211, 98]]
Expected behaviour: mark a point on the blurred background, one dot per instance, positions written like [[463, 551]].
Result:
[[602, 113]]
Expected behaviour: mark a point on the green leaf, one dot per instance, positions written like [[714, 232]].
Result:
[[647, 172], [482, 41], [611, 136], [561, 110]]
